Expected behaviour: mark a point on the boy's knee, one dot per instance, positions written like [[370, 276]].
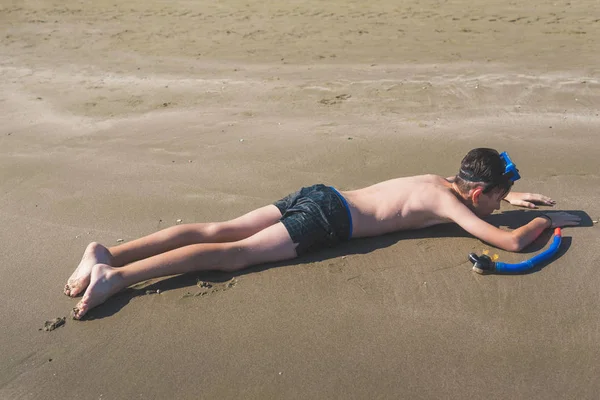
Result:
[[200, 232], [221, 232], [210, 229]]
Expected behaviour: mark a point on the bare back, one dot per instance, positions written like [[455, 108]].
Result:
[[398, 204]]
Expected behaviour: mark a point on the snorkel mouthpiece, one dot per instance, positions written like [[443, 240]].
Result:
[[482, 264], [510, 169]]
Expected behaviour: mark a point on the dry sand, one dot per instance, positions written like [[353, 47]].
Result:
[[119, 118]]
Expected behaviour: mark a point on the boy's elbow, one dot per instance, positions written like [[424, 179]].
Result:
[[514, 244]]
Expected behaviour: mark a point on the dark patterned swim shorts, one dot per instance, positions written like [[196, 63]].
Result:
[[315, 217]]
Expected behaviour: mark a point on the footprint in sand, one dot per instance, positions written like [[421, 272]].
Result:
[[53, 324], [207, 288]]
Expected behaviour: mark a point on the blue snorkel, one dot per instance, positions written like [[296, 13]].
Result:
[[484, 265]]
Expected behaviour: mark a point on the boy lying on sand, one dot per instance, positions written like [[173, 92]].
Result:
[[316, 217]]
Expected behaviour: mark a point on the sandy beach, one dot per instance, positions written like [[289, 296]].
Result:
[[122, 118]]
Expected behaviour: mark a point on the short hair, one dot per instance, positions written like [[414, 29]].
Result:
[[482, 166]]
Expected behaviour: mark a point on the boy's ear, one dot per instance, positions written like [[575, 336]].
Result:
[[475, 194]]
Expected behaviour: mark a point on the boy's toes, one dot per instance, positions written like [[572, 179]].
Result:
[[74, 287], [71, 289], [74, 291], [79, 310]]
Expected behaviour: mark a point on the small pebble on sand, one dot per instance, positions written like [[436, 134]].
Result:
[[120, 240], [179, 221]]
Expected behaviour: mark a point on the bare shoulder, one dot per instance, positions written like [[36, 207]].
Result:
[[429, 180], [432, 184], [444, 195], [435, 193]]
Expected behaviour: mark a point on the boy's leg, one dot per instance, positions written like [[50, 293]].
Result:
[[169, 239], [188, 234], [270, 244]]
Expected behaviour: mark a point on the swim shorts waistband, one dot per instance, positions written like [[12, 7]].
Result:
[[347, 207]]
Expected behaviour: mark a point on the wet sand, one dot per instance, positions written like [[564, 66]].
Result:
[[119, 119]]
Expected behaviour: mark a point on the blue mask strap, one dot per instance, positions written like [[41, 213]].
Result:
[[510, 169]]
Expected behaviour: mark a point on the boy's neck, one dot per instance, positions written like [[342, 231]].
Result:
[[463, 198]]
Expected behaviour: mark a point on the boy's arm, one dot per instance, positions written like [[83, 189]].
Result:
[[510, 241], [528, 200]]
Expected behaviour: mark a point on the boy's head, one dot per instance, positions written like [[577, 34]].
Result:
[[485, 177]]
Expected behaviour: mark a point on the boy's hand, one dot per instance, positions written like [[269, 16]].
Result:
[[561, 218], [528, 200]]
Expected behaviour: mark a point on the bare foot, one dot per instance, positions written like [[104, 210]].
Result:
[[104, 282], [94, 254]]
